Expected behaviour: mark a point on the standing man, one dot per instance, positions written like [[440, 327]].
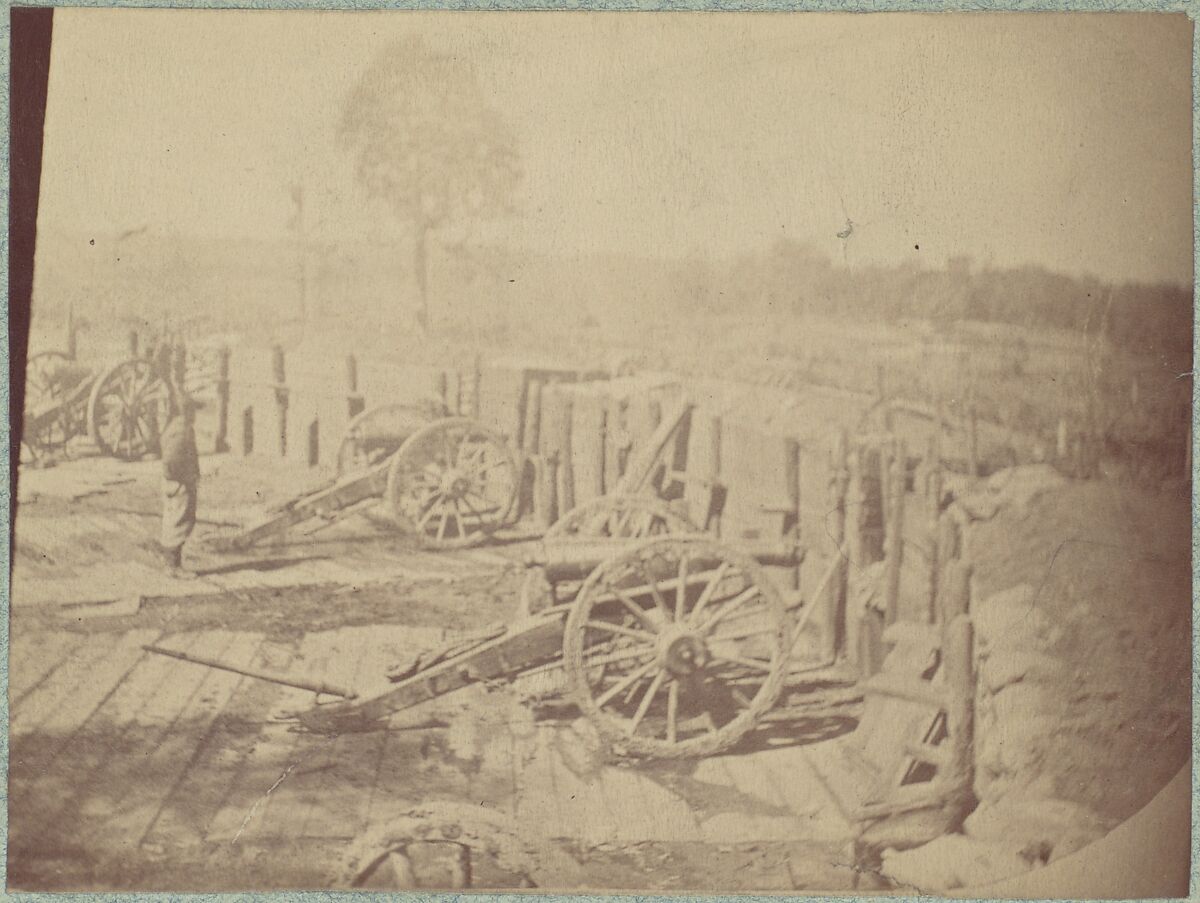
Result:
[[181, 480]]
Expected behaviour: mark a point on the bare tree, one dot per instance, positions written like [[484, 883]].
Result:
[[428, 145]]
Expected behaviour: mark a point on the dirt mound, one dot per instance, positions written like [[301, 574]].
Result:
[[1105, 571]]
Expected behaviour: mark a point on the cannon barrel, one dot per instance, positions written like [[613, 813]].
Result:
[[572, 559]]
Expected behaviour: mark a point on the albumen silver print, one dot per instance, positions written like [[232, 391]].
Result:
[[596, 451]]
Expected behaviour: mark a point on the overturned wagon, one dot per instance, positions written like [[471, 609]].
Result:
[[446, 481]]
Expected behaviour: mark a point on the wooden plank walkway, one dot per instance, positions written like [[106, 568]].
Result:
[[118, 755]]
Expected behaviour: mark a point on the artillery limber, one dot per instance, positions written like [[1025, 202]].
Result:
[[121, 409], [448, 482]]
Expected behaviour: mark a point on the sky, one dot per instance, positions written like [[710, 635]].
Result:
[[1059, 140]]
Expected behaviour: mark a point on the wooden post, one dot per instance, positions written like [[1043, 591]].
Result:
[[545, 478], [458, 393], [566, 472], [894, 532], [958, 641], [855, 546], [933, 500], [587, 445], [179, 366], [222, 438], [476, 383], [72, 338], [133, 343], [279, 372], [833, 632], [972, 441], [716, 500], [531, 434], [614, 430], [443, 389], [355, 403], [792, 459]]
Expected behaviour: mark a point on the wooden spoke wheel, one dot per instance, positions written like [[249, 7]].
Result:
[[453, 483], [615, 516], [676, 648], [127, 410], [51, 437], [48, 376], [377, 433]]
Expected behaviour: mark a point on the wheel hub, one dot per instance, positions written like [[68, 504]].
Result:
[[454, 484], [683, 652]]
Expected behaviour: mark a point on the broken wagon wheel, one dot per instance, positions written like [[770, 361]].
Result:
[[453, 483], [127, 410], [677, 647], [615, 516], [377, 433]]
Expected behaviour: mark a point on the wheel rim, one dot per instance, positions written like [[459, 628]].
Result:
[[452, 483], [127, 409], [667, 673], [617, 516], [625, 516], [45, 375], [377, 433]]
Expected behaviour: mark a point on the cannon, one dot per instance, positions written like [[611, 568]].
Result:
[[448, 482], [673, 646], [121, 409]]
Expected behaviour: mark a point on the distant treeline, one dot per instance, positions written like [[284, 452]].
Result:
[[1137, 317]]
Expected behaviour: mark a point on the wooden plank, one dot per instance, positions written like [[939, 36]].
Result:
[[69, 782], [185, 810], [587, 444], [137, 788], [34, 659], [64, 688], [270, 762], [344, 771], [648, 455]]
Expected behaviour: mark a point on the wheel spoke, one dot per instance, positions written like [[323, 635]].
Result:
[[620, 655], [681, 589], [644, 706], [743, 635], [737, 602], [639, 635], [441, 533], [636, 610], [673, 712], [709, 591], [427, 514], [754, 663], [628, 680], [652, 585], [485, 469]]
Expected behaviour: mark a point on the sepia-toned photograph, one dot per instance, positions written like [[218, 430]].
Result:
[[595, 451]]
